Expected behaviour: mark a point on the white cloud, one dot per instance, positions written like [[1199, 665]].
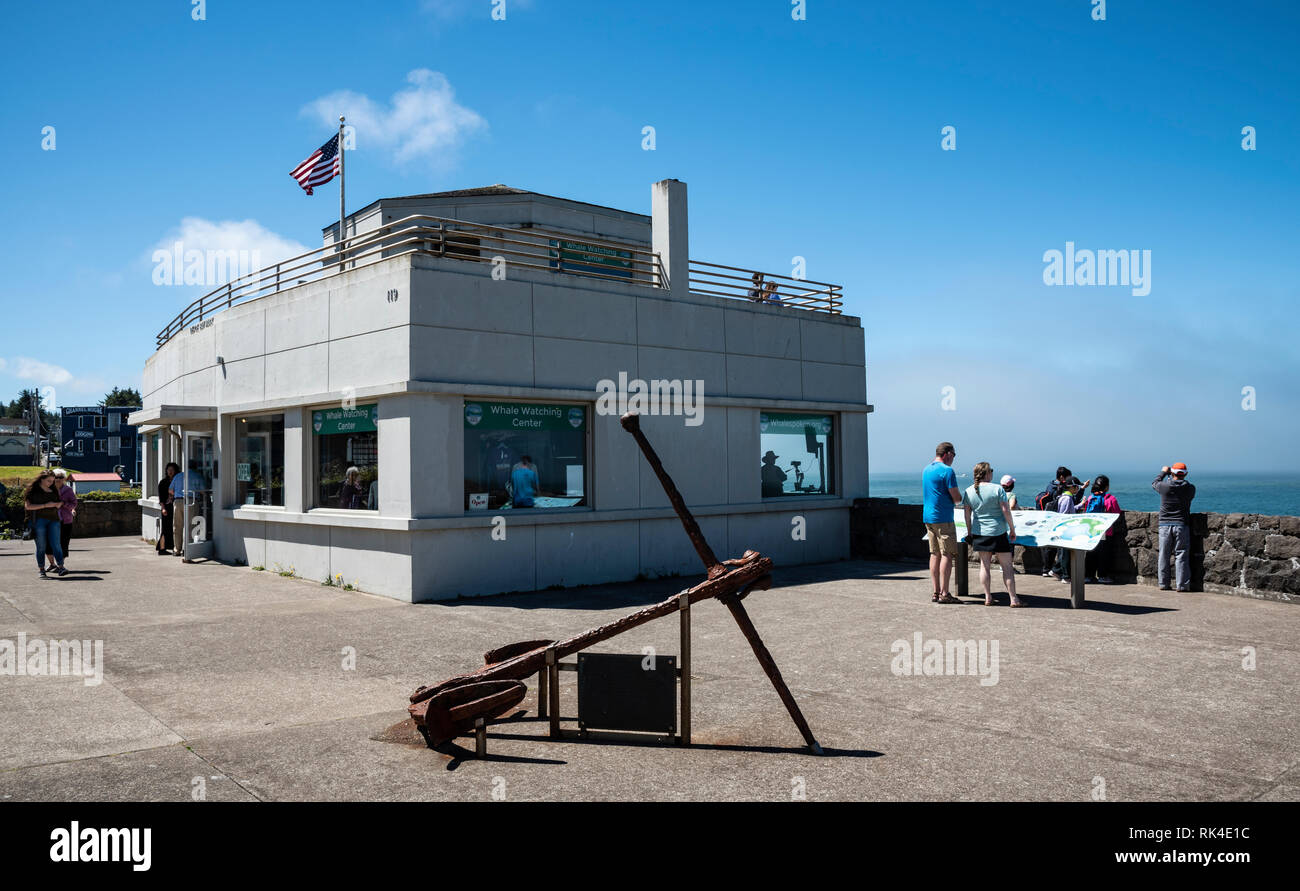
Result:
[[423, 120], [54, 381], [196, 233], [41, 373]]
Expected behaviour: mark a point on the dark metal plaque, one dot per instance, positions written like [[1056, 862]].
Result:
[[617, 692]]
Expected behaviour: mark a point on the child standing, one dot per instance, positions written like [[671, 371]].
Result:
[[1101, 558], [1066, 504]]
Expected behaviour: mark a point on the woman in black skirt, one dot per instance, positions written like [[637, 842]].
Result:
[[990, 530], [167, 541]]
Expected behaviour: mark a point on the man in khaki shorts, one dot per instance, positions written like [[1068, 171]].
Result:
[[940, 495]]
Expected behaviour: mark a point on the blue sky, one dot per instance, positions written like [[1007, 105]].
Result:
[[817, 138]]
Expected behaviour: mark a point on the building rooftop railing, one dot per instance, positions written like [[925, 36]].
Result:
[[769, 287], [532, 248]]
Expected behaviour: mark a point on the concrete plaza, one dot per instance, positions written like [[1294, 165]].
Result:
[[237, 676]]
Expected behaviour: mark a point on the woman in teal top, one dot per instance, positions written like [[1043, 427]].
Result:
[[990, 530]]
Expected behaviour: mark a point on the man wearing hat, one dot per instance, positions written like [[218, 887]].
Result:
[[1176, 495], [773, 476]]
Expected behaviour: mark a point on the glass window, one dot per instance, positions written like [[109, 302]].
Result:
[[259, 460], [525, 455], [796, 454], [155, 463], [101, 445], [347, 457]]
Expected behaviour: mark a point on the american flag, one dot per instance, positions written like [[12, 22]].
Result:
[[321, 167]]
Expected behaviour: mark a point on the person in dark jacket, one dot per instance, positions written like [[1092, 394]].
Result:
[[1175, 519], [351, 496], [166, 504]]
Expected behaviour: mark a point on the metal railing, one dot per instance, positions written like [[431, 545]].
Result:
[[531, 248], [768, 287]]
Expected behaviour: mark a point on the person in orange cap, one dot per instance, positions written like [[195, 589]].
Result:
[[1175, 520]]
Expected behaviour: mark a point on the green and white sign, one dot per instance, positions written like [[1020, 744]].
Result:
[[362, 419], [1048, 529], [591, 257], [524, 416], [779, 422]]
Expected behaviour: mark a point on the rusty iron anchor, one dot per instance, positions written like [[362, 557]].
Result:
[[449, 709]]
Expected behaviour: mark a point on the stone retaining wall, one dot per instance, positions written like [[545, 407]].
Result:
[[96, 518], [1245, 554]]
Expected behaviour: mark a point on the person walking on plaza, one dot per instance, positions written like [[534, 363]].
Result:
[[1098, 561], [940, 495], [42, 501], [1175, 519], [990, 530], [67, 513], [167, 508]]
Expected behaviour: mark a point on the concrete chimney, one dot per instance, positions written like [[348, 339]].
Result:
[[669, 234]]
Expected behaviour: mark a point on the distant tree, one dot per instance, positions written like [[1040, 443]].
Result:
[[123, 397], [21, 405], [18, 408]]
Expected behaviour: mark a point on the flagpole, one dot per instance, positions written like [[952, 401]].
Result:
[[341, 182]]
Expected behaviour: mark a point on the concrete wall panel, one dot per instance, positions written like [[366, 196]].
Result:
[[586, 553], [579, 314], [834, 383], [762, 334]]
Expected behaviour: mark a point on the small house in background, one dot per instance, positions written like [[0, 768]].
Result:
[[16, 443], [94, 482]]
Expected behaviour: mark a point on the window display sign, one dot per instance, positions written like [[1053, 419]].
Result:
[[796, 454], [347, 457], [524, 455], [524, 416], [361, 419]]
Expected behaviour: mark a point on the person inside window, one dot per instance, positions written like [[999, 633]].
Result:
[[773, 477], [350, 497], [523, 483]]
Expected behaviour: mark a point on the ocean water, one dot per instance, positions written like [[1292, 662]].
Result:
[[1224, 493]]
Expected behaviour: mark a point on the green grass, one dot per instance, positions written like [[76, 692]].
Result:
[[18, 474], [22, 474]]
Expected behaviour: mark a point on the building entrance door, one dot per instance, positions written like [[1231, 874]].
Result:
[[199, 471]]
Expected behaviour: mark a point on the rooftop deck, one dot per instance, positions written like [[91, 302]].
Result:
[[531, 248]]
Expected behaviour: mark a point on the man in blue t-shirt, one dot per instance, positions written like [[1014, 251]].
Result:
[[523, 483], [940, 494]]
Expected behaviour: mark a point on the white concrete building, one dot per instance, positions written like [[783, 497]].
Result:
[[467, 329]]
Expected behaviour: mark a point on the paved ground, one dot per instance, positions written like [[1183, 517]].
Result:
[[236, 676]]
